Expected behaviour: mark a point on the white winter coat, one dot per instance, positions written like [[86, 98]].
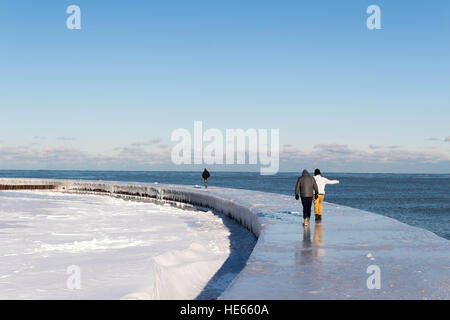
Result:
[[322, 181]]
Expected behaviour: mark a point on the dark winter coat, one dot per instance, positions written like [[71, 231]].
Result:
[[206, 174], [306, 185]]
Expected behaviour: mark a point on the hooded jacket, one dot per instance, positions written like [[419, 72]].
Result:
[[306, 185], [205, 174]]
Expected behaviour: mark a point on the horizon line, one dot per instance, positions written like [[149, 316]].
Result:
[[223, 171]]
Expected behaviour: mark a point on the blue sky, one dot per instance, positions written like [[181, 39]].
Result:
[[109, 95]]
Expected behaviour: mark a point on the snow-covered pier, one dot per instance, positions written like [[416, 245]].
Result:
[[353, 254]]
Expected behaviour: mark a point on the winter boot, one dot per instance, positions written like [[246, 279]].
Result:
[[306, 223]]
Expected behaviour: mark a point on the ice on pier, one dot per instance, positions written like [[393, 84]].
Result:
[[331, 260]]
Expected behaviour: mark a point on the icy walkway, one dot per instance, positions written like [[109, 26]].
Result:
[[328, 261]]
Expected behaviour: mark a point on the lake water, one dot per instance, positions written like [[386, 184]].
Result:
[[421, 200]]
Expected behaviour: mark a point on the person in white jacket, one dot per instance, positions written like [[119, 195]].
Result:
[[321, 182]]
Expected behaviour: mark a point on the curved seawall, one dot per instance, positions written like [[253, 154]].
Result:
[[351, 252]]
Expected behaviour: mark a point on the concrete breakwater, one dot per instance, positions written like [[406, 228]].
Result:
[[332, 260], [27, 187]]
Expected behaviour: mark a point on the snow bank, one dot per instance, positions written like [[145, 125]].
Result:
[[180, 274], [124, 249]]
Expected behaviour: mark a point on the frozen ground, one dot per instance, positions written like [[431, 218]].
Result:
[[334, 260], [125, 249]]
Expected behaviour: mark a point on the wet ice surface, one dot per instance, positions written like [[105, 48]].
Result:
[[330, 260], [125, 249]]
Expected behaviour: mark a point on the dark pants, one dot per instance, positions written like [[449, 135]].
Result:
[[307, 203]]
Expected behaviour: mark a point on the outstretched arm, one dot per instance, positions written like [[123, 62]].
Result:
[[331, 181]]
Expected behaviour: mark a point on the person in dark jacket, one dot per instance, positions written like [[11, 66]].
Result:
[[306, 186], [205, 176]]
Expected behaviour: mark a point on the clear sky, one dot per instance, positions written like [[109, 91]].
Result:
[[109, 96]]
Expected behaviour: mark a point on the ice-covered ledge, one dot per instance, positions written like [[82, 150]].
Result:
[[327, 261]]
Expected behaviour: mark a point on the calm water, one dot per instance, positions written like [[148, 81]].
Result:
[[421, 200]]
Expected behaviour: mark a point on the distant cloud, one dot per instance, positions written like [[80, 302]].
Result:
[[39, 138], [325, 156], [334, 149], [71, 158], [146, 143], [377, 147], [164, 146], [65, 138], [346, 158], [142, 156], [434, 139]]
